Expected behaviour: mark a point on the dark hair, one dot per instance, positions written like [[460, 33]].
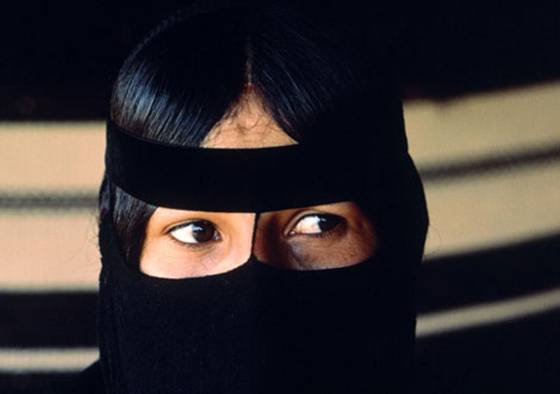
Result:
[[191, 72]]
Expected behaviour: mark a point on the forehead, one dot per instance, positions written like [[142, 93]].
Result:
[[247, 126]]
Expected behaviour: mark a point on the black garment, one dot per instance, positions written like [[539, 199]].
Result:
[[259, 328]]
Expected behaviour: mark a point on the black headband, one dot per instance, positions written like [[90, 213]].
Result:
[[245, 179]]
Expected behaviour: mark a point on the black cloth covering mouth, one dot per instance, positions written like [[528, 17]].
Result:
[[256, 328]]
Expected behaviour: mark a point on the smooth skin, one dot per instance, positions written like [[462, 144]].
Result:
[[183, 243]]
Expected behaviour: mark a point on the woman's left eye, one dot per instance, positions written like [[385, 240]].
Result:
[[315, 224]]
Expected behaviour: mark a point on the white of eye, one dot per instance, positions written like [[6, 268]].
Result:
[[313, 224], [196, 232]]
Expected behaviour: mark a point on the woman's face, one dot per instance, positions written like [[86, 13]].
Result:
[[183, 243]]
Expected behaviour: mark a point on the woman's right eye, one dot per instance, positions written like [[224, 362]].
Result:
[[195, 232]]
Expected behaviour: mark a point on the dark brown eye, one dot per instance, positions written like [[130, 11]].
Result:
[[315, 224], [195, 232]]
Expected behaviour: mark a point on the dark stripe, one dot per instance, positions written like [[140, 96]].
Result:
[[491, 164], [520, 356], [48, 201], [489, 275], [55, 320], [87, 381], [35, 381]]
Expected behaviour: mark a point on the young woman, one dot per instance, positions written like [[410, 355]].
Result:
[[261, 221]]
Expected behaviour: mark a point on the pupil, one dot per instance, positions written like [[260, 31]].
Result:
[[202, 231], [327, 222]]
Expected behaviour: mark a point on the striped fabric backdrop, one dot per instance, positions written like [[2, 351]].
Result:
[[489, 290]]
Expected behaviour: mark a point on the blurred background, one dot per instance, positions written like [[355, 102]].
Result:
[[482, 107]]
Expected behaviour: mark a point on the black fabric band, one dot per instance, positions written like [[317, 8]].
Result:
[[245, 179]]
